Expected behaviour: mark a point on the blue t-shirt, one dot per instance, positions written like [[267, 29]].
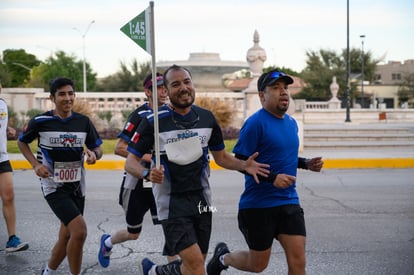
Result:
[[277, 142]]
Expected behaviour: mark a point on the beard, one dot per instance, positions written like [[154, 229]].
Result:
[[182, 105]]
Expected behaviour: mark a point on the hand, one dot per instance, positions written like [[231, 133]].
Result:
[[41, 171], [11, 132], [283, 181], [91, 157], [255, 168], [156, 175], [314, 164]]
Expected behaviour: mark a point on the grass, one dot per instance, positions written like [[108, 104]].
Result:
[[108, 146]]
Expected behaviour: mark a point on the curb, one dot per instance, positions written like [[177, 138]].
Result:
[[373, 163]]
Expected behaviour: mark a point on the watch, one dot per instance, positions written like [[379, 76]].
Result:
[[145, 173]]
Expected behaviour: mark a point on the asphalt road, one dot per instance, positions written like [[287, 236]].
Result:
[[358, 222]]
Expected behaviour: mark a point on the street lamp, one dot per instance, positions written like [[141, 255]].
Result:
[[362, 36], [348, 96], [83, 50]]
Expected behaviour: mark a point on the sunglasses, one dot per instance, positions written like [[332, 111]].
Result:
[[270, 76], [182, 125]]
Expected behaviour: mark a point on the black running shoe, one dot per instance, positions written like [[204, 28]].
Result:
[[214, 266]]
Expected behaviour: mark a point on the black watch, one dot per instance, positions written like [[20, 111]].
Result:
[[145, 173]]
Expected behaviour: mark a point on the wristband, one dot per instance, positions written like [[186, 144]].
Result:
[[96, 154], [271, 177], [145, 174]]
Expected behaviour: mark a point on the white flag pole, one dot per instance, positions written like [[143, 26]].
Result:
[[154, 88]]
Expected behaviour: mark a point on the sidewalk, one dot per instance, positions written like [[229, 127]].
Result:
[[333, 159]]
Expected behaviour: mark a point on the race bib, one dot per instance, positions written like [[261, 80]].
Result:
[[146, 184], [184, 151], [67, 171]]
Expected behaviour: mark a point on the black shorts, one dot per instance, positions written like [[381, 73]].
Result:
[[261, 225], [5, 166], [67, 202], [136, 202], [183, 232]]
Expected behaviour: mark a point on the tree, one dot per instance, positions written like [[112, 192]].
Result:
[[126, 80], [282, 69], [406, 90], [16, 68], [322, 65], [61, 64]]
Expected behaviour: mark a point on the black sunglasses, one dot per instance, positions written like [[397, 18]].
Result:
[[270, 76], [181, 124]]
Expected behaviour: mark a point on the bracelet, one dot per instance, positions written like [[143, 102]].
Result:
[[96, 154]]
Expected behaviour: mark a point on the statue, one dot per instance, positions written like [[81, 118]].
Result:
[[334, 89], [334, 102], [256, 56]]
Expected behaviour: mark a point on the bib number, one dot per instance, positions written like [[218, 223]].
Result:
[[67, 171]]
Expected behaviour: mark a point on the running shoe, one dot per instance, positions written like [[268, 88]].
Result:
[[146, 267], [15, 244], [214, 266], [104, 252]]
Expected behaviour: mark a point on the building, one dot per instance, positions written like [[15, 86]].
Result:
[[394, 72], [207, 70], [383, 92]]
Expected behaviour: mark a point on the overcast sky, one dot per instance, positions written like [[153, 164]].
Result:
[[287, 29]]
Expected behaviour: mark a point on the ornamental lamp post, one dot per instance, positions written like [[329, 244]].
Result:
[[348, 88]]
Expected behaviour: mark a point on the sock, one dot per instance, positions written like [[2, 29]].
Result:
[[48, 271], [153, 270], [11, 237], [108, 243], [221, 259]]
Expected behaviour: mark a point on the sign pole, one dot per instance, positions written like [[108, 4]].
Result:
[[154, 89], [141, 30]]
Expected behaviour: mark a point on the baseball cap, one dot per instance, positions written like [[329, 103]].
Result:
[[271, 77], [148, 81]]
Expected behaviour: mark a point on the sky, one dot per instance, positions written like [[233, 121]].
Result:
[[287, 29]]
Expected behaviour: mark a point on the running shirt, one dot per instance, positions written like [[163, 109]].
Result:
[[277, 142], [4, 118], [186, 189], [130, 182], [60, 147]]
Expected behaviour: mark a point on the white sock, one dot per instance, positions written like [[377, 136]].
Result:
[[48, 271], [153, 270], [108, 242], [221, 259]]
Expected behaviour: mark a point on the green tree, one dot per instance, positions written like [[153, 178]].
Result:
[[283, 69], [406, 90], [17, 67], [323, 65], [126, 79], [61, 64], [5, 78]]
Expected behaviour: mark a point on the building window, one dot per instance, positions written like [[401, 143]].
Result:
[[396, 76]]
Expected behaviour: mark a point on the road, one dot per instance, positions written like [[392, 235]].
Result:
[[358, 222]]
